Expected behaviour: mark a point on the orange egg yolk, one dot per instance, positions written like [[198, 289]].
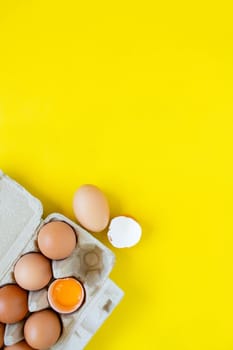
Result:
[[67, 293]]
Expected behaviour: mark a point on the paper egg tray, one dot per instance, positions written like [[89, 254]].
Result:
[[91, 262]]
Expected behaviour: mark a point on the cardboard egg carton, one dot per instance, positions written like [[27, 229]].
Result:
[[91, 263]]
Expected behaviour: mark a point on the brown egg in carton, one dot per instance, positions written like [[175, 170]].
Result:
[[90, 263]]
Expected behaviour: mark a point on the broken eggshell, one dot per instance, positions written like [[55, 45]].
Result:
[[124, 232]]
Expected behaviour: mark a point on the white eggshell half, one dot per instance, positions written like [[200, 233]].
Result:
[[124, 232]]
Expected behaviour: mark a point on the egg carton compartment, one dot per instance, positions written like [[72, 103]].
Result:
[[30, 247], [38, 300], [13, 333], [87, 323], [91, 263]]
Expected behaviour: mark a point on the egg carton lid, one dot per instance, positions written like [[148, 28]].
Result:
[[20, 214]]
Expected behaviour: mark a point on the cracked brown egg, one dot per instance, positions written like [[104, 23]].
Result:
[[66, 295]]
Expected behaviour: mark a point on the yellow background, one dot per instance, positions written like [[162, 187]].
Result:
[[135, 97]]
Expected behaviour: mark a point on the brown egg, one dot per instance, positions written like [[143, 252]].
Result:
[[19, 346], [13, 303], [2, 330], [57, 240], [42, 329], [91, 208], [33, 271]]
